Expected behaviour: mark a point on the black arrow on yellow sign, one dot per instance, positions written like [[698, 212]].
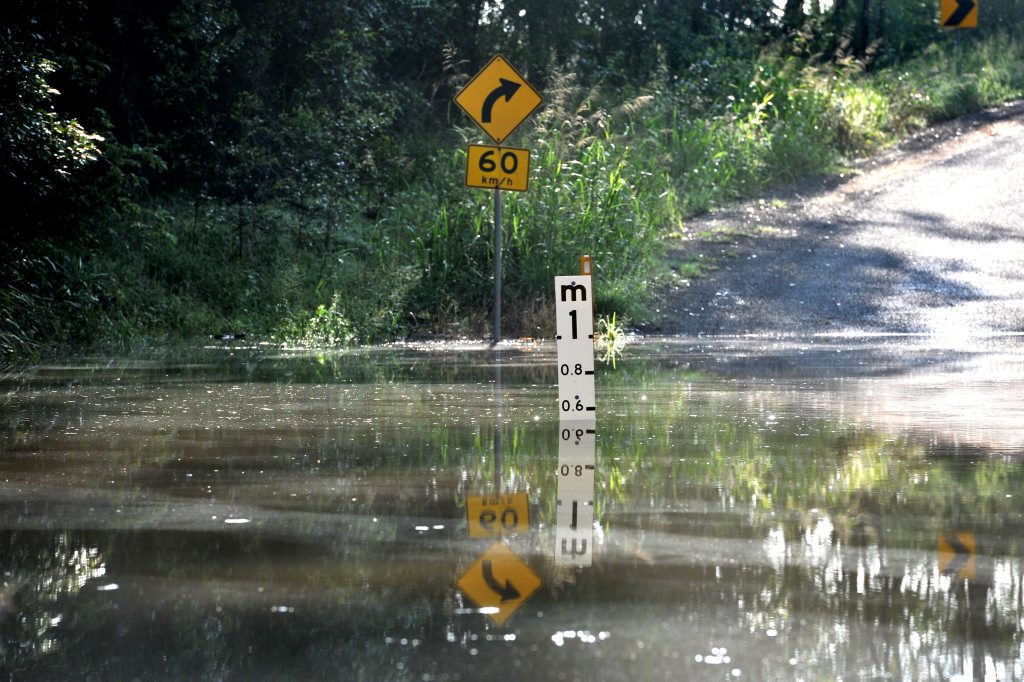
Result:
[[963, 8], [961, 554], [488, 582], [957, 554], [506, 90], [508, 592]]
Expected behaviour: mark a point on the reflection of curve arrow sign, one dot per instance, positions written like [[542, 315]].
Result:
[[508, 592], [963, 554], [506, 90], [500, 598]]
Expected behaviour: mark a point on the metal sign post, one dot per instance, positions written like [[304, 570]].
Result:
[[498, 99], [497, 266], [959, 69]]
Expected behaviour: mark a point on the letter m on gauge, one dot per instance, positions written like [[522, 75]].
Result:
[[498, 99], [574, 311]]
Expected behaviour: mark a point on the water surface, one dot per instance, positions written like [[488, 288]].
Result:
[[763, 509]]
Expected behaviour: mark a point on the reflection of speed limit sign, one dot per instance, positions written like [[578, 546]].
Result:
[[490, 167], [491, 516]]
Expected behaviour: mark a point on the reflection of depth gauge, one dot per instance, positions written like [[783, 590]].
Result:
[[574, 324], [574, 516]]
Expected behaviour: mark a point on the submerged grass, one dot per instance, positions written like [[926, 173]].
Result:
[[613, 173]]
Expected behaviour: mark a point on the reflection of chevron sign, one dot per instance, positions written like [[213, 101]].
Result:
[[958, 13], [956, 554]]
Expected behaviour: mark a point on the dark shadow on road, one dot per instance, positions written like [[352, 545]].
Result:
[[813, 279], [936, 224]]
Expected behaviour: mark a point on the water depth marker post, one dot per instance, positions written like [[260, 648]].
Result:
[[577, 424], [498, 99]]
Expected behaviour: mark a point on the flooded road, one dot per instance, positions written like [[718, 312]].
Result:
[[831, 508]]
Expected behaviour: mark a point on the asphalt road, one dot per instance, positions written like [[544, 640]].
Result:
[[928, 239]]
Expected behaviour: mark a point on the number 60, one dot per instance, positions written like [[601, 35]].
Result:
[[509, 162]]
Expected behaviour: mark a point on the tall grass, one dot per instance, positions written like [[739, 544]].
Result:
[[588, 195], [928, 89]]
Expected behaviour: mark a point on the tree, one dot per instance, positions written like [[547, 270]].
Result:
[[43, 148], [862, 30], [793, 14]]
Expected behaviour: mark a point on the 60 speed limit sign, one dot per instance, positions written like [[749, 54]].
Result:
[[490, 167]]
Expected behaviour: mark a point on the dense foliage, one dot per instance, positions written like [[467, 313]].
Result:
[[180, 167]]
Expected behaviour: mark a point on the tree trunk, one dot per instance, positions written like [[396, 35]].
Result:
[[881, 20], [793, 15], [327, 243], [195, 219], [837, 24], [241, 233], [862, 33]]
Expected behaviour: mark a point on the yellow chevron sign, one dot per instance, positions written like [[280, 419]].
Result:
[[958, 13]]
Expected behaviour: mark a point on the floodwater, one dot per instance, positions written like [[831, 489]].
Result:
[[762, 510]]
